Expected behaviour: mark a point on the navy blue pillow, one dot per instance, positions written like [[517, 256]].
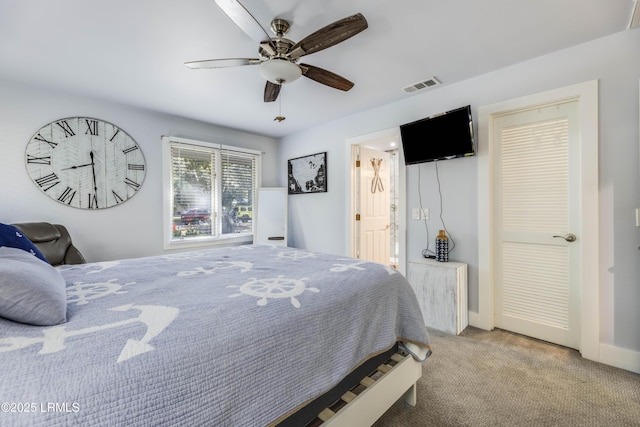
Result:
[[11, 237]]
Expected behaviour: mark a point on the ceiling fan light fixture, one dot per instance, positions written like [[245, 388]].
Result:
[[280, 71]]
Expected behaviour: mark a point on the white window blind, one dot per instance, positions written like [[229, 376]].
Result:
[[238, 179], [193, 189], [212, 191]]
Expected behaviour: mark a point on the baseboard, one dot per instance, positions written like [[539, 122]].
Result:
[[474, 319], [609, 355], [620, 357]]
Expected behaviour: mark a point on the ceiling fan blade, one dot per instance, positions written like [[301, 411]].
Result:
[[329, 36], [222, 63], [245, 20], [271, 91], [326, 77]]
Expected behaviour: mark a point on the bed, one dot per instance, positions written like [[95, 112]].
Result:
[[250, 335]]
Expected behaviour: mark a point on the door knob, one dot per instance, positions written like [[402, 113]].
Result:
[[569, 237]]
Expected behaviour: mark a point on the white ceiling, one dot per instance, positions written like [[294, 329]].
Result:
[[132, 51]]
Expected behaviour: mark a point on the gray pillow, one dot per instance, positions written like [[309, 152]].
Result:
[[31, 291]]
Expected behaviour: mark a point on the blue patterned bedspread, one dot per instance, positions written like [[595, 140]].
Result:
[[222, 337]]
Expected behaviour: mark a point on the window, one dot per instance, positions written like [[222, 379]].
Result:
[[211, 193]]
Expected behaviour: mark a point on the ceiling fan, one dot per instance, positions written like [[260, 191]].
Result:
[[278, 56]]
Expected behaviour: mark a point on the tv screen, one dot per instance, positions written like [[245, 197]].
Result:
[[443, 136]]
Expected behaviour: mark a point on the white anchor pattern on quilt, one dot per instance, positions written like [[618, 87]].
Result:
[[220, 265], [390, 269], [81, 293], [274, 288], [155, 318], [339, 268], [93, 268], [183, 255], [295, 255]]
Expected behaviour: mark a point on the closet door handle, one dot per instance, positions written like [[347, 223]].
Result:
[[569, 237]]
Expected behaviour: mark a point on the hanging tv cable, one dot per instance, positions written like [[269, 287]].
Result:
[[453, 243]]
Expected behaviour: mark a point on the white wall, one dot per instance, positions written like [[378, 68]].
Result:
[[318, 222], [132, 229]]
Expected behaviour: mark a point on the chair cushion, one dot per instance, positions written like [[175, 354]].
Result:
[[12, 237], [54, 242], [31, 290]]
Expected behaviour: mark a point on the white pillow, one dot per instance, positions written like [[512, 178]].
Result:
[[31, 290]]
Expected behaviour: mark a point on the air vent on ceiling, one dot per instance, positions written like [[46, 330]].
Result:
[[634, 22], [431, 81]]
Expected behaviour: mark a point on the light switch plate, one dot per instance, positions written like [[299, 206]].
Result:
[[416, 214]]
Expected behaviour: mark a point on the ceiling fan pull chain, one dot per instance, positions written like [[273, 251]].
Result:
[[280, 117]]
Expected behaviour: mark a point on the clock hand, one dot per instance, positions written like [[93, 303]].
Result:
[[76, 167], [93, 169]]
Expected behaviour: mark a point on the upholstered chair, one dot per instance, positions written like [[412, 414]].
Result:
[[54, 242]]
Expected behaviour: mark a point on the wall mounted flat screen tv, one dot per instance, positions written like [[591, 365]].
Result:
[[439, 137]]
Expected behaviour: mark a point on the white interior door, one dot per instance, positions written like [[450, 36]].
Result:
[[375, 198], [536, 218], [271, 216]]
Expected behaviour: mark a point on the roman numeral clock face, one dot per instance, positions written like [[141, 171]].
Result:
[[85, 163]]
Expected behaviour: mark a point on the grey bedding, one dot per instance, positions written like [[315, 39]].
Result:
[[223, 337]]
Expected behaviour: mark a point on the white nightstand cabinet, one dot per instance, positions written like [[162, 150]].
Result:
[[441, 288]]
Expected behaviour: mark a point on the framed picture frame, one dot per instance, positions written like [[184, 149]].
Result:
[[307, 174]]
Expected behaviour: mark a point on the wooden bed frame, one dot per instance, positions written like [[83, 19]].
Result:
[[375, 394]]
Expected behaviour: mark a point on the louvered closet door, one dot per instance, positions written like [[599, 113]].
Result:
[[537, 289]]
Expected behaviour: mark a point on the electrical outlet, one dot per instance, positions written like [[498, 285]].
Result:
[[425, 213]]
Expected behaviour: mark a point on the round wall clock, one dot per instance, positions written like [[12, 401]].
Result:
[[85, 163]]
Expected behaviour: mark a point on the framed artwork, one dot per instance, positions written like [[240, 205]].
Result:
[[308, 174]]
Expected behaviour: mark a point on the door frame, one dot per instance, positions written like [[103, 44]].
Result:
[[392, 134], [587, 95]]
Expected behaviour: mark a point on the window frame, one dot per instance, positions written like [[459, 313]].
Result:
[[219, 239]]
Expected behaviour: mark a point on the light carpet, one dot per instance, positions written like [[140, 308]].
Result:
[[499, 378]]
